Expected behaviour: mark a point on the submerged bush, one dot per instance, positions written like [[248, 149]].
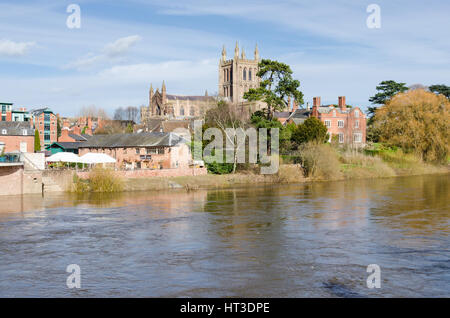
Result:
[[320, 161], [100, 180]]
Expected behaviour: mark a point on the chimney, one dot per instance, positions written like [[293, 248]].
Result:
[[342, 104], [66, 123], [77, 130], [64, 135], [316, 101]]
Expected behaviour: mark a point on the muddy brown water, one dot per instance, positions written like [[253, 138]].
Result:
[[275, 241]]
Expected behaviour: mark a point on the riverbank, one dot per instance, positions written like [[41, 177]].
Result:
[[289, 174]]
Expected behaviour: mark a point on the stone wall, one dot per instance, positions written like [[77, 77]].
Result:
[[16, 181], [144, 173]]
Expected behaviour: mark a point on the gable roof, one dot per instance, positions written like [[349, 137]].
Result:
[[16, 128], [143, 139], [65, 145]]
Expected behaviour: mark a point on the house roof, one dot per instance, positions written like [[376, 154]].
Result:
[[143, 139], [281, 114], [37, 112], [77, 137], [66, 145], [16, 128]]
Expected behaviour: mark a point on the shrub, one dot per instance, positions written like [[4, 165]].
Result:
[[320, 161], [104, 180]]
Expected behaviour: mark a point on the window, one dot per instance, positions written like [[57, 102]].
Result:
[[357, 137], [192, 111], [341, 138], [340, 123], [24, 132], [357, 124], [4, 131], [245, 74], [138, 151], [250, 74], [328, 123], [334, 114], [152, 150], [3, 108], [3, 118], [356, 113], [182, 111]]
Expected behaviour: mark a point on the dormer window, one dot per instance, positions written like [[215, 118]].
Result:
[[24, 132], [4, 131]]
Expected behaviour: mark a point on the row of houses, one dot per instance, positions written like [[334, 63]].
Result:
[[42, 119]]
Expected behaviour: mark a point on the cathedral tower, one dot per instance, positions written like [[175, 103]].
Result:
[[238, 75]]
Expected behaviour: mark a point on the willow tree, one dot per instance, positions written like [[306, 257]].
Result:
[[417, 121], [277, 86]]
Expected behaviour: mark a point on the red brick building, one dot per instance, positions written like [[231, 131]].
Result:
[[347, 123], [45, 121], [16, 136], [6, 111], [147, 150]]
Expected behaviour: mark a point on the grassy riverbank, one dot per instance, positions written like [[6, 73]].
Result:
[[319, 163]]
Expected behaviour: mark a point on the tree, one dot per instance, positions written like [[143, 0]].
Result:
[[58, 128], [440, 89], [417, 121], [93, 111], [37, 141], [119, 114], [386, 90], [276, 88], [227, 116], [311, 130], [129, 129]]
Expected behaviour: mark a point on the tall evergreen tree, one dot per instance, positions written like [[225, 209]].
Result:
[[37, 141]]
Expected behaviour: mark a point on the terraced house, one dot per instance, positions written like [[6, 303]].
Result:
[[146, 150]]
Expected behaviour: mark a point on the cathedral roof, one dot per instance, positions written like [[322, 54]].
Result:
[[185, 97]]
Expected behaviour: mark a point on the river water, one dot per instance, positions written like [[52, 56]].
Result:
[[309, 240]]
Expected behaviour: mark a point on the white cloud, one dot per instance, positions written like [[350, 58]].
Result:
[[11, 48], [112, 52], [121, 46]]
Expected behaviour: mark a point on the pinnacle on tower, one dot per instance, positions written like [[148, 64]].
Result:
[[224, 53], [163, 89], [256, 52], [151, 88], [243, 54], [236, 50]]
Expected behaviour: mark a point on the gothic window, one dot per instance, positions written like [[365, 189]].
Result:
[[224, 75], [158, 111], [245, 74], [192, 111], [249, 74], [182, 111]]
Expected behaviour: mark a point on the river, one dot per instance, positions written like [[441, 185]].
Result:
[[307, 240]]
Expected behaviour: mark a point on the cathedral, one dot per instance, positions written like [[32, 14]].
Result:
[[236, 76]]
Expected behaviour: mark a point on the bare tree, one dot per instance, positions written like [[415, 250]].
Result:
[[224, 117], [93, 111]]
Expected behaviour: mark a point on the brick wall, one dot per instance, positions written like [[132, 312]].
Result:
[[12, 143], [153, 173]]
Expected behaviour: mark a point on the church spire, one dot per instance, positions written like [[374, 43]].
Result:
[[224, 54], [236, 50], [243, 54], [256, 52]]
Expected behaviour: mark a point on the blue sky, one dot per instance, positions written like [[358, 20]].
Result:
[[123, 46]]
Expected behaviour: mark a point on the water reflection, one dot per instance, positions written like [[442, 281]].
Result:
[[278, 241]]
